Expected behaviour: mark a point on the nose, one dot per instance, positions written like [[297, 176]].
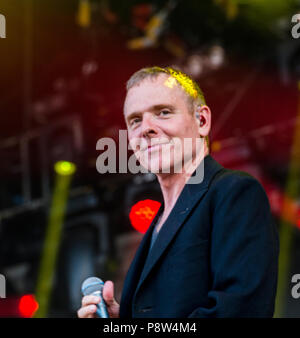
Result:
[[148, 127]]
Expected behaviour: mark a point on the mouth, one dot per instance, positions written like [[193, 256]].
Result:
[[152, 147]]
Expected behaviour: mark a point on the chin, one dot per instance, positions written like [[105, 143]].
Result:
[[156, 167]]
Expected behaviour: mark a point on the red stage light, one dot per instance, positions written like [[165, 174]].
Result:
[[28, 306], [142, 214]]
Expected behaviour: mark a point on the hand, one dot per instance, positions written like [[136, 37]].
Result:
[[88, 309]]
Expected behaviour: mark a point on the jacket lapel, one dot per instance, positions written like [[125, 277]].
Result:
[[135, 269], [189, 196]]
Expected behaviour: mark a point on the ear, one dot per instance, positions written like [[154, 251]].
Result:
[[203, 116]]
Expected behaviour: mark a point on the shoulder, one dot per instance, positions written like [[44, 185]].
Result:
[[229, 177], [228, 182]]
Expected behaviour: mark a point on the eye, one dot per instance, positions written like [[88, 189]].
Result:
[[134, 121], [164, 112]]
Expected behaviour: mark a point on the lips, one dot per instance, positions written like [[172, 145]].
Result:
[[143, 145], [155, 146]]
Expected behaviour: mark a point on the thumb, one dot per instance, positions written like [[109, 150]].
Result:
[[113, 307], [108, 292]]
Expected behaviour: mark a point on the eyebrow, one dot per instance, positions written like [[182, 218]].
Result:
[[152, 108]]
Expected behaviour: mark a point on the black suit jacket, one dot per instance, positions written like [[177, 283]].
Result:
[[215, 256]]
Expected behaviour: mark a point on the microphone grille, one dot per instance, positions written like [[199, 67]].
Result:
[[90, 285]]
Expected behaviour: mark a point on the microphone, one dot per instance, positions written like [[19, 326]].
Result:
[[94, 286]]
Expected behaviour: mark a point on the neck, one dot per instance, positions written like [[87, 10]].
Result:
[[172, 184]]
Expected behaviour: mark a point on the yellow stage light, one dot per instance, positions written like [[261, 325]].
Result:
[[64, 168]]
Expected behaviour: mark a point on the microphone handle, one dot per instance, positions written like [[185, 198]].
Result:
[[101, 307]]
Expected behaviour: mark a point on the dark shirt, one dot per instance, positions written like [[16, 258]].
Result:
[[153, 238], [154, 234]]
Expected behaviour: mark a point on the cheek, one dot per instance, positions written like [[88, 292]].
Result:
[[175, 127], [181, 130], [137, 143]]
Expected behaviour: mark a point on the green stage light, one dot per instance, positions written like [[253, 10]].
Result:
[[64, 168]]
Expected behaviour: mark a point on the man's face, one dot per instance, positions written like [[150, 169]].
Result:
[[158, 120]]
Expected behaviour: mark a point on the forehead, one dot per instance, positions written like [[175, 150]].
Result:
[[155, 91]]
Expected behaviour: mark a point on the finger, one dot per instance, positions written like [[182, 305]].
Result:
[[113, 307], [87, 311], [90, 299], [108, 292]]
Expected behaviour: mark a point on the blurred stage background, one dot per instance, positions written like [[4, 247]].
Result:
[[63, 68]]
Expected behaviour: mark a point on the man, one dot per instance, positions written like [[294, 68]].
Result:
[[211, 250]]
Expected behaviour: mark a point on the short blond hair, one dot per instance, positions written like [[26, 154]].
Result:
[[189, 86]]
